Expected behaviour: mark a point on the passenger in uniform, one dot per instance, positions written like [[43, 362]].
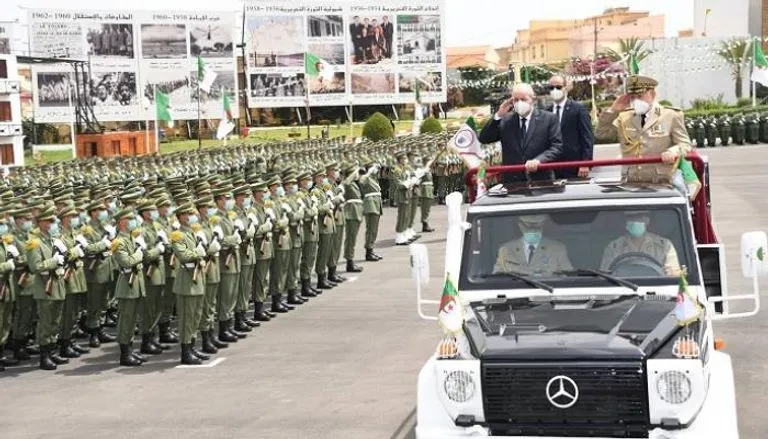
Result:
[[532, 253], [639, 240]]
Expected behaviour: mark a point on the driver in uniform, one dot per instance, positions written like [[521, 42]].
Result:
[[639, 240], [532, 254]]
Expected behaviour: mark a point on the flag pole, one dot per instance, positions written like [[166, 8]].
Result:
[[157, 130], [306, 84], [754, 83], [199, 136]]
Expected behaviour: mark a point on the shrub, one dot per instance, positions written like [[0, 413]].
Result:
[[743, 102], [378, 127], [431, 125], [666, 103]]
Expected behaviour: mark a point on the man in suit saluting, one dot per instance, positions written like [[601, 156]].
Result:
[[575, 126], [528, 136]]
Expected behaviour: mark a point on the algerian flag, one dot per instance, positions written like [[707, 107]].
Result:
[[316, 66], [451, 316], [634, 67], [227, 107], [526, 75], [687, 309], [163, 107], [760, 70], [205, 75]]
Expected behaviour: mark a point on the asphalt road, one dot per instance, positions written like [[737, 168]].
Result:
[[343, 365]]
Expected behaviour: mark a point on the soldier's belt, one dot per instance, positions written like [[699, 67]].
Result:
[[190, 265], [355, 201], [426, 183], [373, 194], [126, 270]]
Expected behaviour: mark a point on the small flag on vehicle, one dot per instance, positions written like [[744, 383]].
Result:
[[451, 315], [687, 310]]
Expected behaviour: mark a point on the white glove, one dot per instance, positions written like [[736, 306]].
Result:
[[218, 232], [12, 250], [59, 244], [376, 168], [239, 226], [200, 249], [201, 236], [79, 251], [329, 194], [329, 205], [253, 218], [10, 264], [283, 222], [175, 225], [106, 242], [269, 224], [239, 239], [420, 173], [371, 171], [287, 208], [341, 188], [340, 198], [59, 258], [138, 254], [160, 247], [81, 240], [139, 240], [110, 229], [215, 247], [163, 236], [251, 232]]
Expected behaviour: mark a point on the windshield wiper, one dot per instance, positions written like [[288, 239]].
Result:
[[521, 277], [607, 276]]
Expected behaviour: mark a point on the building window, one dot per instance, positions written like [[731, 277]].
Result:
[[3, 69], [5, 112], [6, 154]]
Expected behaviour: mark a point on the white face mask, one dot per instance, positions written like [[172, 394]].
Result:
[[556, 94], [522, 108], [640, 106]]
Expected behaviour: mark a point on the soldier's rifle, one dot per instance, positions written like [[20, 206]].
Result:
[[52, 272]]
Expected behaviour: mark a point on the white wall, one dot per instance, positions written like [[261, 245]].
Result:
[[674, 65], [728, 17], [15, 100]]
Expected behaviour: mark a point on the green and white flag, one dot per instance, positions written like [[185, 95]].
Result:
[[163, 107], [634, 67], [205, 75], [450, 316], [760, 71], [316, 66], [226, 125]]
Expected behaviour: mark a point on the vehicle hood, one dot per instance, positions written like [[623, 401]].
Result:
[[632, 328]]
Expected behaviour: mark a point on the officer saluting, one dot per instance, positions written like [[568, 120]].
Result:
[[646, 129]]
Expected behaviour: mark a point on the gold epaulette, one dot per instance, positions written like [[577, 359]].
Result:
[[135, 233], [176, 236], [116, 243], [32, 244], [196, 228], [214, 220], [88, 230], [232, 214], [8, 239]]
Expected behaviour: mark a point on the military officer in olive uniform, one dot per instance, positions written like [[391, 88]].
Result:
[[327, 225], [532, 254], [247, 218], [46, 268], [264, 252], [646, 129], [229, 263], [403, 184], [425, 194], [74, 246], [336, 194], [639, 240], [25, 309], [370, 190], [168, 223], [295, 212], [7, 289], [154, 241], [189, 283], [353, 214], [207, 213], [310, 236], [98, 272], [283, 246]]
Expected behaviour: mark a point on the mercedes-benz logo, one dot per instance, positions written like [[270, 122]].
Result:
[[562, 392]]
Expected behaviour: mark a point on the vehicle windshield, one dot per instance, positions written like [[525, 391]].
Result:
[[623, 246]]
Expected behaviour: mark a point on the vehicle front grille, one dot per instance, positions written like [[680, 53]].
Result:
[[612, 400]]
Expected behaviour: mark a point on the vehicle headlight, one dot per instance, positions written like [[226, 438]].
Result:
[[674, 387], [459, 386]]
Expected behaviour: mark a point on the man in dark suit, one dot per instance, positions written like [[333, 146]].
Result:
[[528, 136], [575, 126], [388, 33], [356, 33]]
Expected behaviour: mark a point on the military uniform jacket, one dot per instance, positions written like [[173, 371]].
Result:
[[353, 207], [42, 267], [295, 212], [130, 280], [190, 279], [7, 283], [338, 207], [211, 260], [98, 259], [659, 248], [22, 278], [75, 271], [311, 231], [282, 234], [169, 259], [247, 255], [229, 258], [402, 193], [263, 240], [371, 193], [549, 256], [154, 262], [664, 130], [427, 187], [324, 212]]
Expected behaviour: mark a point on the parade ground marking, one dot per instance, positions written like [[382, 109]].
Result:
[[209, 365]]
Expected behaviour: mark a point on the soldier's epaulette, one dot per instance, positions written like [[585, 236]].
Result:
[[88, 230], [8, 239], [32, 244], [232, 214], [135, 233], [673, 108], [176, 236], [196, 228], [214, 220], [116, 243]]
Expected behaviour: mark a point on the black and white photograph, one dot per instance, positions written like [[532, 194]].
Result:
[[110, 40], [113, 88], [223, 84], [56, 89], [325, 26], [327, 84], [371, 38], [176, 84], [333, 54], [5, 46], [276, 41], [163, 41], [427, 81], [419, 39], [211, 40], [367, 83], [268, 85]]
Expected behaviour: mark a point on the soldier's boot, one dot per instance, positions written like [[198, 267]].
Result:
[[52, 353], [352, 268], [197, 353], [215, 340], [155, 340], [333, 277], [249, 322], [147, 347], [285, 304], [65, 349], [6, 361], [207, 344], [370, 256], [33, 349], [277, 305], [187, 357], [292, 299], [425, 228], [322, 282], [166, 335], [46, 363], [80, 349], [19, 350], [306, 291], [296, 294], [104, 337], [110, 319], [258, 312], [224, 334], [269, 313], [231, 326], [240, 325]]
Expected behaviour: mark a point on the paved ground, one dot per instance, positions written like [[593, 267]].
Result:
[[343, 365]]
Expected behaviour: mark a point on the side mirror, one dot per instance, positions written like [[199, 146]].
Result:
[[754, 260], [420, 273]]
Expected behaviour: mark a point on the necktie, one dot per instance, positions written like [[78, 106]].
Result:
[[557, 112], [642, 120], [531, 248], [522, 130]]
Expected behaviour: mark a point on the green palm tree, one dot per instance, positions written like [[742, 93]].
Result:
[[628, 46], [738, 55]]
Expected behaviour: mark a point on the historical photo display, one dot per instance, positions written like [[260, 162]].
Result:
[[371, 39], [110, 40], [276, 41], [370, 83], [113, 88], [277, 85], [211, 40], [163, 41], [420, 40], [325, 26], [328, 83], [56, 89], [426, 81]]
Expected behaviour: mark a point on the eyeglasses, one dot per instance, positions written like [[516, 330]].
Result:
[[556, 87]]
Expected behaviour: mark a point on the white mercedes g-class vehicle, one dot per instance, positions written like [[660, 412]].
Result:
[[587, 312]]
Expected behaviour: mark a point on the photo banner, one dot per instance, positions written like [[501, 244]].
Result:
[[344, 53], [129, 54]]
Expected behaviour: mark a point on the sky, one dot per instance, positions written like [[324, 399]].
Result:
[[468, 22]]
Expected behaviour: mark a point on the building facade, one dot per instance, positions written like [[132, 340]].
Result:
[[725, 19], [469, 56], [11, 132]]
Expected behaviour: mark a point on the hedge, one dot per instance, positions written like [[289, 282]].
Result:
[[725, 111]]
